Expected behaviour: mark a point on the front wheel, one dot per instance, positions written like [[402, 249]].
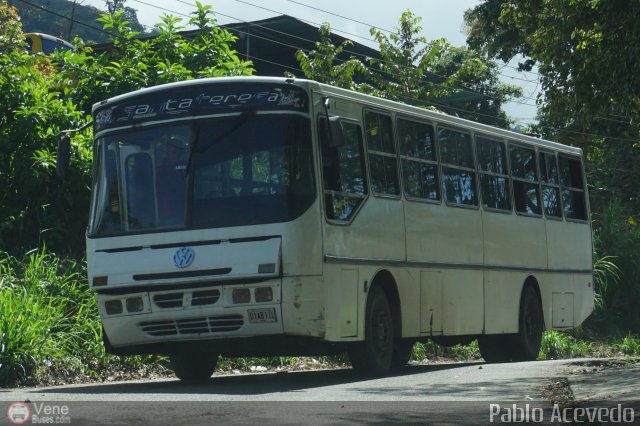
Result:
[[195, 367], [373, 356], [496, 348], [402, 352]]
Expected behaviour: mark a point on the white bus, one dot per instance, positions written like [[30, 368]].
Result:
[[250, 216]]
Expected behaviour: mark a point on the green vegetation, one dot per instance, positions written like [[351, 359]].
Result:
[[49, 324], [431, 74], [43, 96]]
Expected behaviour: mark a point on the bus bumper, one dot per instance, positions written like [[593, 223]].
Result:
[[195, 314]]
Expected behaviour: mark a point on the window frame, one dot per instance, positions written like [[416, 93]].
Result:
[[524, 180], [442, 164], [552, 185], [583, 177], [507, 176], [367, 152], [435, 162], [322, 192]]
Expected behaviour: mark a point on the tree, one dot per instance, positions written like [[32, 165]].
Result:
[[586, 51], [405, 58], [475, 90], [34, 206], [11, 35], [134, 63], [43, 95], [113, 6], [324, 65], [453, 80], [129, 14]]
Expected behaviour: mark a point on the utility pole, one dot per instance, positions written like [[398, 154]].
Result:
[[73, 14]]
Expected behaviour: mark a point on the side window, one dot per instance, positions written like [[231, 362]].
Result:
[[382, 154], [343, 171], [572, 188], [494, 175], [550, 184], [458, 171], [526, 192], [418, 156]]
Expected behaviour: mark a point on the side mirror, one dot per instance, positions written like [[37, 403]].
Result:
[[64, 156], [336, 133]]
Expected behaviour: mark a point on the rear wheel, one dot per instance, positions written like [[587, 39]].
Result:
[[524, 345], [373, 356], [531, 327], [194, 367]]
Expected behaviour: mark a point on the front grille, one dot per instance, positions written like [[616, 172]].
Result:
[[171, 300], [206, 297], [191, 326], [175, 300]]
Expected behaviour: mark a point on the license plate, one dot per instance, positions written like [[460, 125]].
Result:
[[262, 315]]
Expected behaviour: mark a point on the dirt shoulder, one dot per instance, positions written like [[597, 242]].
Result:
[[598, 383]]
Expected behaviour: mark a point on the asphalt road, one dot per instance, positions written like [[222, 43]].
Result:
[[456, 393]]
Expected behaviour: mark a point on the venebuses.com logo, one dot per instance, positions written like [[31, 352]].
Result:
[[20, 413]]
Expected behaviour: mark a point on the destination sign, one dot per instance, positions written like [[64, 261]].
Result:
[[201, 99]]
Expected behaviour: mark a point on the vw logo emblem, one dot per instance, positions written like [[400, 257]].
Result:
[[183, 257]]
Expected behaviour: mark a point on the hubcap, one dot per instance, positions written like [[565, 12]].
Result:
[[381, 331]]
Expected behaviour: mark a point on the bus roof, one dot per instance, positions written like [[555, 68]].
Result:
[[372, 101]]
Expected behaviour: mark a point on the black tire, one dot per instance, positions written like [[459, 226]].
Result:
[[402, 352], [194, 367], [373, 356], [530, 327], [524, 345], [496, 348]]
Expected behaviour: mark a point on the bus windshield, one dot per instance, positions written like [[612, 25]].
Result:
[[243, 169]]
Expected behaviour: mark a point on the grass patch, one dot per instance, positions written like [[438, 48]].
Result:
[[430, 351], [50, 331]]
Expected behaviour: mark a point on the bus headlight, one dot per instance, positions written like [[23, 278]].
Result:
[[135, 304], [264, 294], [113, 307], [241, 295]]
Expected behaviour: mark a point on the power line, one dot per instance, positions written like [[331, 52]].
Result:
[[301, 19], [434, 103], [348, 19], [464, 88], [389, 31], [66, 17], [337, 15]]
